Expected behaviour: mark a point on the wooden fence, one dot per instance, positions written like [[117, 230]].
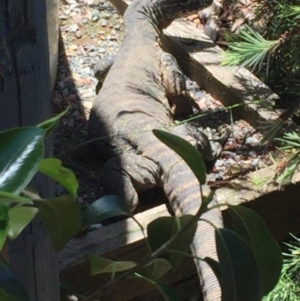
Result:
[[28, 60]]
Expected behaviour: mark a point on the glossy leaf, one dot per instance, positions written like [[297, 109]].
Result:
[[61, 216], [101, 265], [21, 150], [167, 291], [49, 125], [104, 208], [11, 288], [185, 150], [7, 197], [19, 218], [162, 229], [238, 267], [3, 224], [253, 229], [3, 237], [53, 168], [156, 268]]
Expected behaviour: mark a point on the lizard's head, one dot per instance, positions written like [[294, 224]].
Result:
[[180, 8]]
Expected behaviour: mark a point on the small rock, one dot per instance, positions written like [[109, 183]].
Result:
[[229, 162], [256, 162], [63, 17], [251, 141], [89, 93], [103, 6], [199, 94], [86, 71], [73, 47], [88, 104], [92, 53], [61, 84], [71, 123], [73, 28], [113, 38], [85, 20], [253, 154], [84, 82], [78, 34], [92, 2], [76, 113], [105, 15], [95, 15], [103, 23], [65, 92], [219, 163], [101, 50]]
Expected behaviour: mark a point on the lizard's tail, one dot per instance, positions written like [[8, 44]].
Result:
[[183, 191]]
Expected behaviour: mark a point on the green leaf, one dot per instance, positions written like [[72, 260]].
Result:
[[9, 198], [61, 217], [185, 150], [21, 150], [162, 229], [11, 288], [267, 252], [53, 168], [156, 268], [101, 265], [104, 208], [238, 266], [167, 291], [3, 237], [50, 124], [19, 218], [251, 52], [3, 224]]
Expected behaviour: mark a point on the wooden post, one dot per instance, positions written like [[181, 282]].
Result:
[[26, 81]]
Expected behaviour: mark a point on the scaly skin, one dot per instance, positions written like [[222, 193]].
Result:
[[131, 103], [173, 80]]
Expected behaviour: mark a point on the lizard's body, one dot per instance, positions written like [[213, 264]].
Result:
[[133, 101]]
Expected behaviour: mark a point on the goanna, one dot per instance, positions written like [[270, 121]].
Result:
[[135, 98]]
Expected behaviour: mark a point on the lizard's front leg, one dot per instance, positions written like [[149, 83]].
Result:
[[173, 81], [209, 148], [101, 69], [127, 174]]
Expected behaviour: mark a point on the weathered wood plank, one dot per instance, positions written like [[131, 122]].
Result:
[[25, 94], [200, 60]]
